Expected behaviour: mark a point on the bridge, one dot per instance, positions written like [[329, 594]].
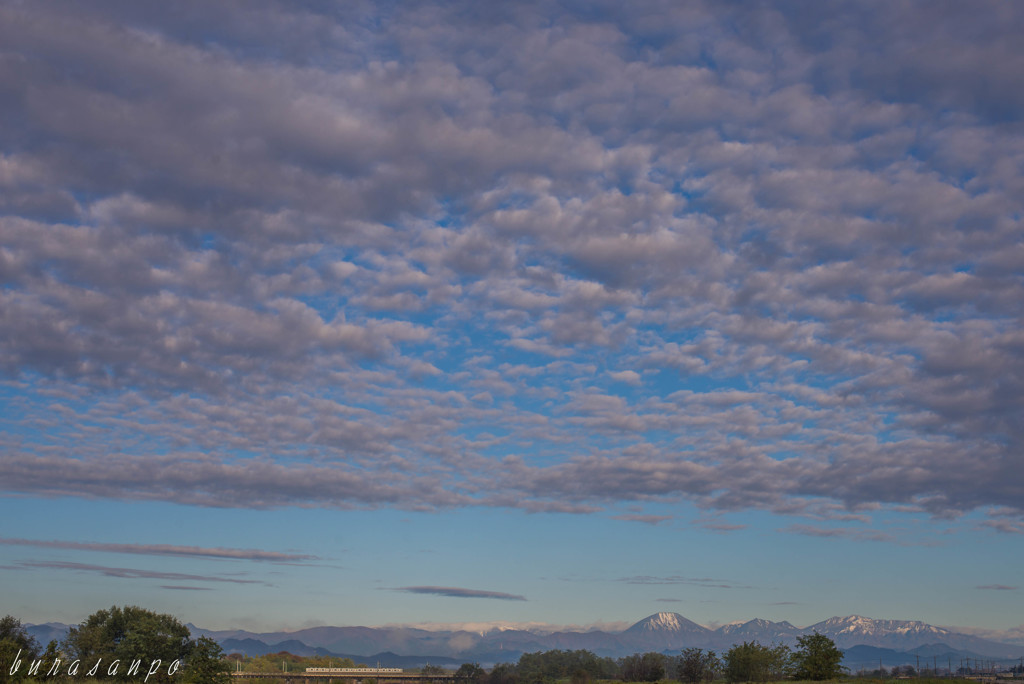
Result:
[[351, 678]]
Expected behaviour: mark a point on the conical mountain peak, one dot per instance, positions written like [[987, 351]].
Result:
[[672, 623]]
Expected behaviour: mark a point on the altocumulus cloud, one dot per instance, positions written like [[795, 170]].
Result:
[[735, 258]]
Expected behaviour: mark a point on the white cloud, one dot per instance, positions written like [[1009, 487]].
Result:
[[627, 376]]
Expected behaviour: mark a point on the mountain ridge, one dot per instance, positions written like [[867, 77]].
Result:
[[664, 631]]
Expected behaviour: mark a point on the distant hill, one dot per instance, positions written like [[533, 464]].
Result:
[[942, 656], [255, 647], [859, 658], [50, 631]]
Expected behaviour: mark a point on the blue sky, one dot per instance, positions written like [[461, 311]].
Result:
[[539, 312]]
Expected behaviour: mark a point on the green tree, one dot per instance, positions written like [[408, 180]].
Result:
[[15, 644], [328, 661], [503, 673], [471, 673], [817, 658], [547, 666], [206, 664], [282, 661], [53, 653], [580, 676], [127, 635], [752, 662], [695, 665], [646, 667]]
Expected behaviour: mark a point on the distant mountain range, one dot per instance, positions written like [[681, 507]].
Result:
[[866, 641]]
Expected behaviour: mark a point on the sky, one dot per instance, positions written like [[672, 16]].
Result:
[[557, 313]]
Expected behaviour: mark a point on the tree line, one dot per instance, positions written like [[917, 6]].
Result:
[[817, 658]]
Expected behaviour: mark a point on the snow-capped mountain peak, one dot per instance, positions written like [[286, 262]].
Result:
[[857, 624], [857, 629], [661, 622], [759, 629], [670, 623]]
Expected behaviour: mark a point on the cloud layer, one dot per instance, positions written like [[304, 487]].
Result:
[[163, 550], [534, 256], [130, 573], [458, 592]]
